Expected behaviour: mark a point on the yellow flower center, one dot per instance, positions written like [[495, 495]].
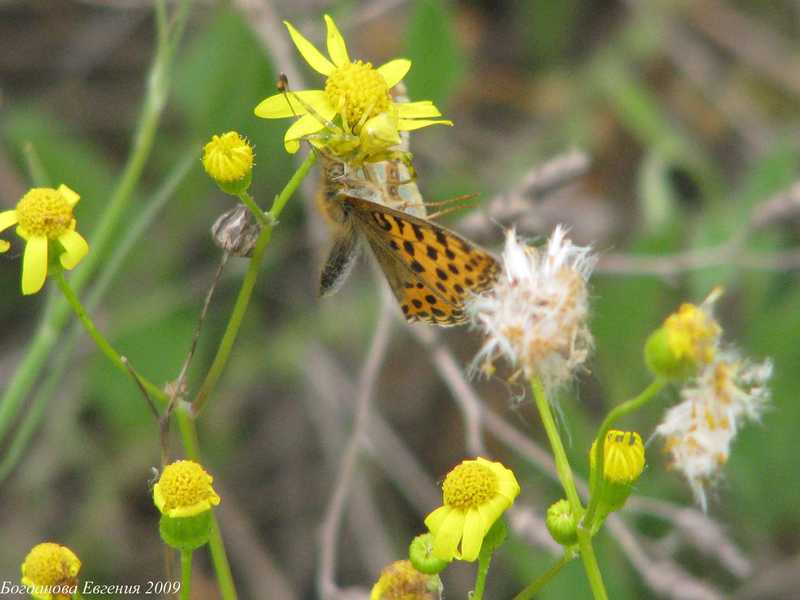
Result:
[[469, 485], [692, 333], [185, 483], [227, 157], [44, 212], [49, 564], [401, 581], [357, 89]]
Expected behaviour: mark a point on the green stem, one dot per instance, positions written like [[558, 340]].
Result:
[[219, 557], [248, 201], [246, 291], [53, 321], [100, 340], [543, 579], [186, 574], [599, 456], [484, 561], [562, 462], [568, 483]]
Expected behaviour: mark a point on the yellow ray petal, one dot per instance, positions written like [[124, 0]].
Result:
[[34, 265], [305, 125], [281, 106], [474, 530], [434, 520], [7, 219], [417, 110], [4, 246], [412, 124], [337, 49], [70, 195], [446, 539], [75, 248], [313, 56], [394, 71]]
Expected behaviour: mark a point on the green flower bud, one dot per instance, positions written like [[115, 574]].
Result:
[[420, 553], [186, 533], [561, 523], [623, 463]]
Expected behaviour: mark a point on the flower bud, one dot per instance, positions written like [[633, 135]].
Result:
[[685, 342], [401, 581], [236, 231], [420, 553], [561, 523], [228, 160], [623, 463]]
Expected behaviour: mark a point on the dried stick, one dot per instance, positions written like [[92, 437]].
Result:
[[331, 524]]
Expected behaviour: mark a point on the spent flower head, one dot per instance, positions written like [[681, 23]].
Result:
[[50, 571], [228, 158], [686, 341], [536, 313], [355, 108], [475, 494], [401, 581], [44, 220], [184, 490], [698, 431]]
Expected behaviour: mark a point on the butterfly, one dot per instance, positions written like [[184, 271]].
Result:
[[431, 270]]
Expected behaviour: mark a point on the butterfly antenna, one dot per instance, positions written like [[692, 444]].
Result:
[[283, 87], [462, 204]]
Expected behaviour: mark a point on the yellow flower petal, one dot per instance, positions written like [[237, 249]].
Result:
[[69, 195], [412, 124], [394, 71], [75, 248], [8, 218], [305, 125], [313, 56], [434, 520], [474, 531], [446, 540], [34, 265], [281, 106], [337, 49], [4, 246], [417, 110]]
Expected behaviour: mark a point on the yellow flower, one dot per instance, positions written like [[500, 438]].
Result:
[[44, 220], [686, 341], [401, 581], [475, 494], [51, 572], [228, 157], [355, 93], [623, 459], [184, 490]]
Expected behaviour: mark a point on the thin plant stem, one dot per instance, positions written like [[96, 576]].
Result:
[[599, 456], [484, 562], [246, 291], [568, 483], [537, 584], [222, 568], [58, 367], [53, 321], [559, 454], [248, 201], [100, 340], [186, 574]]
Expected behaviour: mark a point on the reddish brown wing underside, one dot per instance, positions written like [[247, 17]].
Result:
[[430, 269]]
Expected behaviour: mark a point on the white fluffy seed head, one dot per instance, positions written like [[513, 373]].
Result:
[[536, 314], [698, 431]]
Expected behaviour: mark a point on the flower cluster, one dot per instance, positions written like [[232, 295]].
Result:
[[698, 432], [354, 116], [50, 572], [536, 314], [401, 581]]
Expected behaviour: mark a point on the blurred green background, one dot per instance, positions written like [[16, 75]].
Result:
[[689, 113]]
